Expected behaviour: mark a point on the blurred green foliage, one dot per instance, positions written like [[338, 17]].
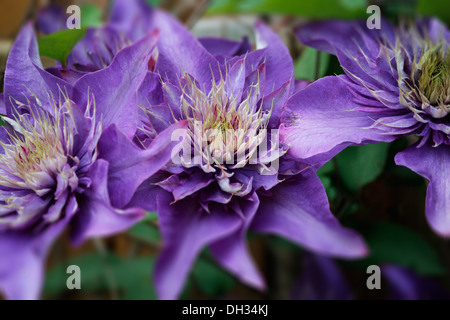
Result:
[[395, 244], [92, 16], [101, 275], [435, 8], [324, 9], [211, 279]]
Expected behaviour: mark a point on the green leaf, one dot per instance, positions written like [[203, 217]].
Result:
[[358, 166], [211, 279], [325, 9], [58, 45], [435, 8], [307, 67], [390, 243], [91, 16]]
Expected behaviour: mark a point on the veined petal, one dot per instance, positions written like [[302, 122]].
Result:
[[225, 47], [235, 80], [232, 252], [97, 217], [2, 104], [24, 67], [319, 128], [188, 57], [279, 65], [22, 259], [329, 35], [186, 230], [129, 166], [146, 194], [132, 17], [114, 88]]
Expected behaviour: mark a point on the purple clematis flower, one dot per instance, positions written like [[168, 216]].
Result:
[[129, 21], [240, 180], [50, 19], [397, 83], [407, 285], [320, 279], [53, 172]]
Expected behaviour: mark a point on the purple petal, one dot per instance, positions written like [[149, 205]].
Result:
[[129, 166], [225, 47], [95, 51], [235, 81], [406, 285], [97, 217], [317, 126], [275, 101], [184, 186], [298, 210], [147, 193], [232, 252], [22, 258], [2, 104], [279, 65], [180, 51], [150, 93], [51, 19], [434, 28], [329, 35], [186, 230], [24, 67], [114, 88], [132, 17], [434, 165], [320, 279]]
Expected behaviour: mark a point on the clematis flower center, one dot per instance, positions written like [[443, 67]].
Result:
[[36, 159], [224, 129], [431, 77]]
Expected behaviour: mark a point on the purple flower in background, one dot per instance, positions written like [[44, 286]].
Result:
[[129, 21], [53, 172], [407, 285], [397, 83], [321, 279], [51, 19], [238, 177]]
